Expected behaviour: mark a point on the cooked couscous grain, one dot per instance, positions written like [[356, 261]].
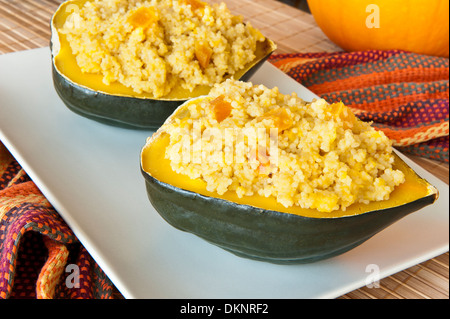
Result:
[[254, 140], [154, 45]]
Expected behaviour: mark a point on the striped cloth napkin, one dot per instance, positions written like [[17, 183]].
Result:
[[40, 257], [405, 95]]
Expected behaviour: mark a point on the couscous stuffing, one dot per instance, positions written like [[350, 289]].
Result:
[[251, 140], [155, 45]]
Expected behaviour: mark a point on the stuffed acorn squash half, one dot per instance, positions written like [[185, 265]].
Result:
[[270, 177], [131, 63]]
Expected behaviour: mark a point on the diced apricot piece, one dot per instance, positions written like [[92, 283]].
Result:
[[195, 4], [344, 113], [203, 54], [143, 17], [281, 118], [221, 108]]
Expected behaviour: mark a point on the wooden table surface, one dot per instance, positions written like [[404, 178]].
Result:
[[24, 25]]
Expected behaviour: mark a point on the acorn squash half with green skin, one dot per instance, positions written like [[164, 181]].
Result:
[[259, 228], [115, 104]]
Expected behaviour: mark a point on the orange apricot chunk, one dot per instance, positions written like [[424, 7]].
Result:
[[143, 17], [203, 54], [221, 108], [195, 4], [281, 118], [344, 113]]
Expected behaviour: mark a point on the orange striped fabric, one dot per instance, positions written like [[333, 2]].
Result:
[[40, 257]]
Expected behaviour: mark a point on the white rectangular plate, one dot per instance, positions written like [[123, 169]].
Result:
[[90, 173]]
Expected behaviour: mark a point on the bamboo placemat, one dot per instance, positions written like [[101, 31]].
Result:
[[24, 24]]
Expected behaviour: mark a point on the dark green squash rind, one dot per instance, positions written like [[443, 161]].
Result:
[[278, 237], [121, 111]]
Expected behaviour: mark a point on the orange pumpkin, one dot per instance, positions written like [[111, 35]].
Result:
[[420, 26]]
